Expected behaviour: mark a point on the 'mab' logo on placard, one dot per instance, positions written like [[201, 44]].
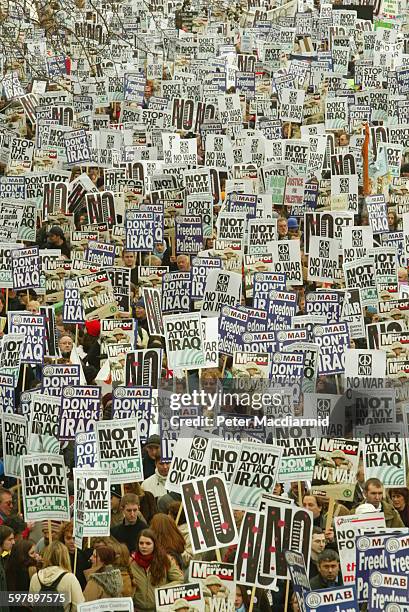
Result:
[[198, 448], [364, 365]]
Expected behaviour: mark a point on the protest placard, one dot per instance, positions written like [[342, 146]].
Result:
[[336, 466], [80, 409], [281, 308], [76, 147], [119, 450], [78, 521], [134, 402], [10, 356], [6, 278], [201, 205], [384, 455], [378, 219], [184, 341], [208, 513], [100, 253], [387, 587], [297, 461], [119, 604], [347, 528], [43, 423], [187, 596], [97, 296], [143, 368], [7, 394], [343, 599], [33, 328], [219, 575], [256, 471], [85, 449], [286, 527], [25, 265], [287, 260], [333, 340], [97, 500], [232, 326], [190, 458], [176, 289], [45, 488], [139, 230], [55, 377], [189, 234], [322, 259], [298, 574], [14, 437], [223, 288], [249, 551]]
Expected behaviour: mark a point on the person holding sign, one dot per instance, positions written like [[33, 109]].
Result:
[[152, 568]]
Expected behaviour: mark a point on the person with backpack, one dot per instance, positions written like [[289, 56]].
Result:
[[57, 577]]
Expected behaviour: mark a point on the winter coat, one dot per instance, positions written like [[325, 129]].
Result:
[[106, 584], [128, 589], [144, 598], [155, 484], [68, 584]]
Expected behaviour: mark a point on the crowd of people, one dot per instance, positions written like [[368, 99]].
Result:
[[157, 161], [150, 546]]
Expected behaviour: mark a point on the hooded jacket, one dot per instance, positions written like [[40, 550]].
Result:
[[106, 584], [68, 584]]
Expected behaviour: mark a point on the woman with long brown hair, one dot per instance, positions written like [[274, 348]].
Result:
[[152, 568], [170, 537], [22, 565], [123, 563]]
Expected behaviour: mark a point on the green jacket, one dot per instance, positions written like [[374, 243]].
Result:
[[144, 597], [392, 518]]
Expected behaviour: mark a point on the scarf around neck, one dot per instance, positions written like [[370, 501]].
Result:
[[142, 560]]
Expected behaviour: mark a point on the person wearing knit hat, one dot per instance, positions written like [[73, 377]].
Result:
[[93, 327], [45, 540], [292, 224]]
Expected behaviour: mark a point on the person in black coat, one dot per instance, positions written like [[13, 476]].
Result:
[[329, 571], [127, 532]]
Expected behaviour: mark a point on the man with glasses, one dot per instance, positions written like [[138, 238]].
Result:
[[127, 532], [6, 511]]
